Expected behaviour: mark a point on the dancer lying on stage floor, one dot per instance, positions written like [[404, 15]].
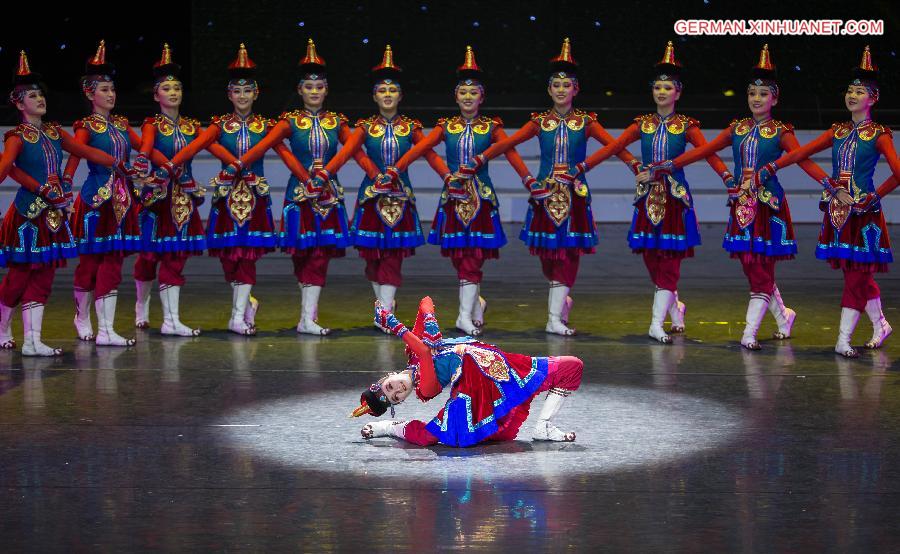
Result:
[[490, 390]]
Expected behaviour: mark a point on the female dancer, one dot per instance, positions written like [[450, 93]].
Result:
[[240, 229], [105, 218], [491, 390], [854, 237], [385, 227], [314, 220], [759, 231], [171, 230], [559, 226], [35, 236], [467, 223], [664, 227]]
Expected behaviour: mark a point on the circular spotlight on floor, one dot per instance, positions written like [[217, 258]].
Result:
[[618, 429]]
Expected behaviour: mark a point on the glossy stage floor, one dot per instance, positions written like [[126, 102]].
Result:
[[230, 443]]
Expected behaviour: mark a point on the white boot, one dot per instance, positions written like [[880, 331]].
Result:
[[251, 311], [468, 296], [239, 298], [784, 316], [309, 309], [7, 341], [567, 307], [881, 329], [479, 306], [662, 301], [105, 307], [556, 302], [83, 325], [142, 303], [544, 430], [756, 311], [384, 428], [170, 295], [849, 319], [676, 313], [386, 295], [32, 319]]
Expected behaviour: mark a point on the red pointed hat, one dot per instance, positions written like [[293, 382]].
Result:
[[97, 64], [866, 72], [564, 63], [668, 68], [165, 67], [24, 76], [312, 64], [469, 69], [242, 67], [764, 71], [386, 70]]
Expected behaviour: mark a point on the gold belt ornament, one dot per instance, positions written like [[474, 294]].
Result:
[[837, 212], [54, 219], [656, 202], [390, 209], [747, 205], [559, 204], [490, 363], [121, 199], [466, 209], [241, 202], [182, 206], [337, 194]]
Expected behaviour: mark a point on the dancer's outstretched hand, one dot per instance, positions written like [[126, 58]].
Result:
[[386, 319], [426, 305]]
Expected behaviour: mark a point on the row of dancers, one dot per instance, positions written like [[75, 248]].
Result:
[[148, 206]]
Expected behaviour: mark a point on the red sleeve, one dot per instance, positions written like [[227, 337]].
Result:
[[352, 143], [435, 161], [885, 145], [715, 162], [512, 156], [70, 145], [789, 144], [276, 135], [427, 143], [207, 137], [81, 136], [722, 140], [630, 135], [148, 137], [24, 179], [887, 187], [528, 131], [598, 132], [155, 155], [11, 149], [818, 144], [291, 161]]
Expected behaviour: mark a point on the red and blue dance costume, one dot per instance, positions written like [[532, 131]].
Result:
[[312, 233], [858, 243], [385, 227], [468, 230], [171, 229], [35, 236], [664, 226], [759, 230], [240, 229], [560, 228]]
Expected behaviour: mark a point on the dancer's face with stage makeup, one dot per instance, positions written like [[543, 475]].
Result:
[[563, 91], [397, 386], [103, 99], [665, 94], [387, 96], [761, 101], [169, 94], [858, 99], [242, 97], [313, 93], [32, 104], [469, 99]]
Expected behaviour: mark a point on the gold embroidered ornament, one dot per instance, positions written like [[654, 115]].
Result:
[[747, 204], [490, 363], [241, 202], [656, 202], [390, 209], [182, 206], [837, 212], [466, 209]]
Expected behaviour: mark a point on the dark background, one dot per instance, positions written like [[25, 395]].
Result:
[[616, 44]]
